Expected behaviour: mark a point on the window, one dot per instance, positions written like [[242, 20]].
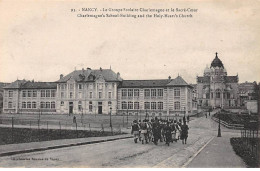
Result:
[[90, 95], [109, 103], [29, 93], [10, 93], [71, 95], [146, 93], [136, 92], [23, 105], [80, 95], [62, 86], [228, 95], [153, 92], [160, 105], [100, 86], [124, 105], [62, 103], [10, 105], [29, 105], [212, 95], [100, 95], [153, 105], [34, 105], [130, 105], [48, 93], [62, 95], [136, 105], [53, 93], [71, 86], [109, 95], [90, 106], [160, 92], [42, 93], [34, 93], [80, 106], [24, 93], [80, 86], [177, 93], [42, 105], [177, 105], [48, 105], [53, 105], [217, 94], [146, 105], [207, 95], [124, 92], [130, 92]]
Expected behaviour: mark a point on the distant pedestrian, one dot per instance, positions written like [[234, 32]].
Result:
[[135, 130], [74, 119], [188, 118], [168, 133], [156, 128], [206, 115], [184, 133]]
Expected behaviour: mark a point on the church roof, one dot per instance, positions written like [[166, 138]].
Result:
[[216, 62], [205, 79], [83, 75]]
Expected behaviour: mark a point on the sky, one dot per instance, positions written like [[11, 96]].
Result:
[[42, 40]]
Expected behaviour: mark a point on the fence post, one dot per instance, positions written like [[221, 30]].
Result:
[[76, 130], [60, 129], [123, 121], [102, 128], [39, 136], [12, 129], [89, 127]]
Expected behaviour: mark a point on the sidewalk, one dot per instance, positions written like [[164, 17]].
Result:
[[218, 154], [12, 149]]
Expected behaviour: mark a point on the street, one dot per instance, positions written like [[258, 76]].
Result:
[[123, 153]]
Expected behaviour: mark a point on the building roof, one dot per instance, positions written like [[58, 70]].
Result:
[[87, 75], [216, 62], [23, 84], [178, 81], [205, 79], [231, 79]]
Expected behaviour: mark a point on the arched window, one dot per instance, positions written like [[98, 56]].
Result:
[[42, 105], [29, 105], [10, 105], [34, 105], [48, 105], [53, 105]]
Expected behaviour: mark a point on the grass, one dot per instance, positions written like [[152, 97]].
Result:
[[243, 151], [25, 135]]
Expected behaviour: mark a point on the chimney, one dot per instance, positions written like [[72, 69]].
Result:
[[61, 76], [118, 75], [169, 78], [100, 69]]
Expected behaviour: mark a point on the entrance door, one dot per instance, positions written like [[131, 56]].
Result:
[[99, 107], [71, 108]]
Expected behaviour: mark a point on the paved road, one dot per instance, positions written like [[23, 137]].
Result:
[[121, 153]]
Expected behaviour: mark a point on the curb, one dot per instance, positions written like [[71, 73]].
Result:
[[60, 146]]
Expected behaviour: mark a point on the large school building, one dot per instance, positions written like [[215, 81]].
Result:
[[99, 91]]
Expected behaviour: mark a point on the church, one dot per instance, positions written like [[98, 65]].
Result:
[[215, 88]]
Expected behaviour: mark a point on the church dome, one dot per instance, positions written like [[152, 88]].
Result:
[[217, 62], [207, 70]]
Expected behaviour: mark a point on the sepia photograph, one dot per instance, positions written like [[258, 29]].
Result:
[[129, 84]]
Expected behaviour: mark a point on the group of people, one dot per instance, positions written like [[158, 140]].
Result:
[[160, 130]]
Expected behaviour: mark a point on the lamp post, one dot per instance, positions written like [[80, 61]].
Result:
[[219, 130], [110, 117]]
